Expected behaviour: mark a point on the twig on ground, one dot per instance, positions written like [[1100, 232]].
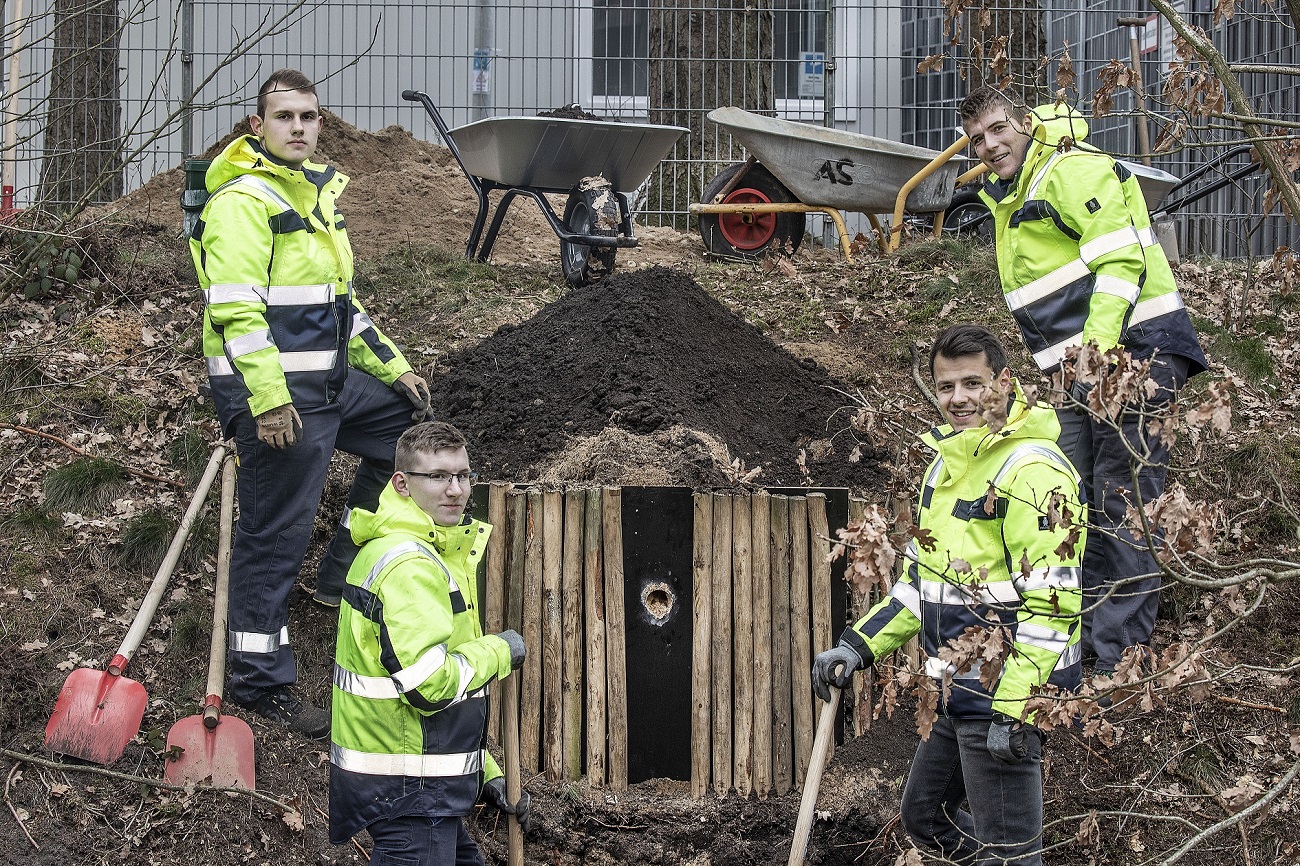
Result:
[[13, 811], [66, 444], [1237, 702]]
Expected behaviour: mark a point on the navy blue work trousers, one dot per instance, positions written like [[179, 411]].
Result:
[[1121, 579], [421, 840], [279, 492], [968, 806]]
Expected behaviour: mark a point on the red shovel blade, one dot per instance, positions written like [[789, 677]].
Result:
[[222, 756], [96, 715]]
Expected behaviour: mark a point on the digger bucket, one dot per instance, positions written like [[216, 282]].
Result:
[[209, 747], [98, 712]]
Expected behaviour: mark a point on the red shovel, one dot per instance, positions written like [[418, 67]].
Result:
[[209, 746], [98, 713]]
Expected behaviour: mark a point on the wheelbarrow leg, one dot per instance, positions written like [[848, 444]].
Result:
[[471, 247], [497, 218]]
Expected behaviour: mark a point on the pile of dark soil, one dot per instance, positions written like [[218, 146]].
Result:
[[645, 351], [574, 112]]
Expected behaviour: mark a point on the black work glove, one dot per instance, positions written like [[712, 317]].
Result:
[[415, 389], [1078, 396], [835, 667], [517, 649], [494, 794], [1008, 738]]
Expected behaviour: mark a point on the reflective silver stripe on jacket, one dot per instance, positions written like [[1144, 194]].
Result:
[[1000, 592], [375, 688], [300, 296], [907, 595], [1029, 449], [1048, 284], [229, 293], [1042, 637], [290, 362], [346, 520], [1148, 236], [1109, 243], [400, 550], [1118, 287], [376, 764], [237, 347], [258, 184], [360, 322], [1073, 653], [936, 667], [254, 642], [1053, 355], [1053, 577], [1153, 307], [409, 678]]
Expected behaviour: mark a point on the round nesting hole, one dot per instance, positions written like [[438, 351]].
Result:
[[658, 601]]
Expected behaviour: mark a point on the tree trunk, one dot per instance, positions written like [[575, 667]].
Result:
[[1021, 23], [705, 54], [83, 130]]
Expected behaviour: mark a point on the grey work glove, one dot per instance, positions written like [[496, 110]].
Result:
[[279, 427], [517, 649], [1008, 738], [415, 389], [1077, 396], [494, 794], [835, 667]]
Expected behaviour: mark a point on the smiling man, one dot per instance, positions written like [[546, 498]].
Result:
[[991, 555], [1080, 264], [297, 369]]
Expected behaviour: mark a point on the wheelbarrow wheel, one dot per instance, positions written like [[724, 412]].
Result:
[[750, 236], [592, 209]]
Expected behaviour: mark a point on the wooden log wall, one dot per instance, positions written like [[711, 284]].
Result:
[[761, 590]]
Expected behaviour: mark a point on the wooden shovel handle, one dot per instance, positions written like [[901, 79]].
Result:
[[221, 604], [813, 781], [514, 789], [149, 606]]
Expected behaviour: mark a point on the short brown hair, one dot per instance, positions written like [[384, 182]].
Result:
[[965, 339], [281, 80], [983, 99], [426, 438]]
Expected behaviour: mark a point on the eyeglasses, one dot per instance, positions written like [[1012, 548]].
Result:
[[442, 479]]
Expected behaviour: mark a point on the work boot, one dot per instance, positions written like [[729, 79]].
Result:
[[282, 706]]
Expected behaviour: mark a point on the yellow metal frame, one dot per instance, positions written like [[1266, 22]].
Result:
[[887, 241]]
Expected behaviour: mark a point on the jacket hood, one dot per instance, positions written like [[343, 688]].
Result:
[[1051, 123], [400, 514], [245, 155], [1023, 422]]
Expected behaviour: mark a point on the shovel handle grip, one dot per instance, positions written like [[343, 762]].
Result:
[[211, 711], [117, 665]]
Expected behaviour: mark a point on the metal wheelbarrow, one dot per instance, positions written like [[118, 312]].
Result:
[[597, 163], [794, 168]]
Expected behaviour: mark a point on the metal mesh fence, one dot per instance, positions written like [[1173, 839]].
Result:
[[833, 62]]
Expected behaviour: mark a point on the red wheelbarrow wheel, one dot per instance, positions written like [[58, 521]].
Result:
[[750, 236]]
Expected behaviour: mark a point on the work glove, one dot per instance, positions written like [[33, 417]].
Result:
[[494, 794], [1078, 396], [279, 427], [517, 649], [415, 389], [835, 667], [1008, 738]]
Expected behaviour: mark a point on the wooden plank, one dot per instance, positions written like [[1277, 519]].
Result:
[[761, 561], [615, 637], [782, 736], [575, 505], [702, 646], [800, 637], [721, 644], [863, 699], [819, 548], [494, 603], [742, 647], [593, 578], [530, 687], [552, 634]]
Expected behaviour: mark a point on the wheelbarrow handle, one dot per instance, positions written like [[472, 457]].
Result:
[[443, 130], [221, 600], [149, 606]]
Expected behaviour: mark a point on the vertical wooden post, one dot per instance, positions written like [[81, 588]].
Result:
[[615, 641], [575, 505], [819, 549], [553, 634], [760, 552], [530, 687], [800, 637], [517, 541], [721, 649], [862, 699], [494, 606], [742, 646], [782, 737], [594, 578], [701, 645]]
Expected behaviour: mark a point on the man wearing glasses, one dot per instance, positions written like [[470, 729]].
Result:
[[412, 667]]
